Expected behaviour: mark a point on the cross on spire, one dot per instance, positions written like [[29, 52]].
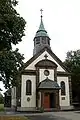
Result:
[[41, 11]]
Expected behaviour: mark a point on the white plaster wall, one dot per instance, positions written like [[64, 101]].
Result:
[[32, 102], [13, 96], [65, 102], [13, 102], [43, 77], [41, 57]]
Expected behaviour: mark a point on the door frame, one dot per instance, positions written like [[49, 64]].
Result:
[[56, 95]]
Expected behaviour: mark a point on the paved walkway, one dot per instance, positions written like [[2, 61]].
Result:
[[45, 117], [71, 115]]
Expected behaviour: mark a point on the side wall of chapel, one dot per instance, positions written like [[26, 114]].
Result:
[[24, 98]]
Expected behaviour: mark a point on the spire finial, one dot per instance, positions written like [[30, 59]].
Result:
[[41, 12]]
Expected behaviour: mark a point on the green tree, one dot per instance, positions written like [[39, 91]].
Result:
[[10, 62], [73, 63], [11, 24], [1, 99], [12, 28]]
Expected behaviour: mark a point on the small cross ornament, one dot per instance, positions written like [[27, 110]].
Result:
[[45, 56]]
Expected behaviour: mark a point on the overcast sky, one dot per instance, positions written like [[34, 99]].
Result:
[[61, 20]]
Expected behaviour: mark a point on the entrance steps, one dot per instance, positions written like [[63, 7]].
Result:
[[67, 108]]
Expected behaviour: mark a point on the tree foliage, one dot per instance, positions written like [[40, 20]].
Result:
[[11, 24], [10, 62], [73, 63], [1, 99], [12, 28]]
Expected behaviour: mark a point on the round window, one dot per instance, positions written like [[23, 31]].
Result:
[[46, 72]]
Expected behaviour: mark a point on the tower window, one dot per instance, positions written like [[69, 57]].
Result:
[[38, 41], [43, 40], [63, 88], [28, 87]]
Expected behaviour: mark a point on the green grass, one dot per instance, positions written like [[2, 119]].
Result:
[[1, 107], [12, 118]]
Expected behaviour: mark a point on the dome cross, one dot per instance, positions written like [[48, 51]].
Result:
[[41, 12]]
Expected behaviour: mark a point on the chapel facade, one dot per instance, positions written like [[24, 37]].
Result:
[[44, 81]]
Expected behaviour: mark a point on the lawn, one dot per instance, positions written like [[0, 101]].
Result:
[[12, 118], [1, 107]]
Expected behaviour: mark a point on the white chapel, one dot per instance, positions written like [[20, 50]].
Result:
[[44, 81]]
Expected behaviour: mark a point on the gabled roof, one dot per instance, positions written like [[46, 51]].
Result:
[[39, 53]]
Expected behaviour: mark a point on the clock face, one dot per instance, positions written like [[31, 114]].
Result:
[[46, 72]]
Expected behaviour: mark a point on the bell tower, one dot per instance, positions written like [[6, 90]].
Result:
[[41, 38]]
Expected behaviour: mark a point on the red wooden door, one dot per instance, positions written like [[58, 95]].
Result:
[[46, 100]]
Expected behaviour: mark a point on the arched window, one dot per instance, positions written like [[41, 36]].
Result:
[[43, 40], [38, 41], [28, 87], [63, 88]]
